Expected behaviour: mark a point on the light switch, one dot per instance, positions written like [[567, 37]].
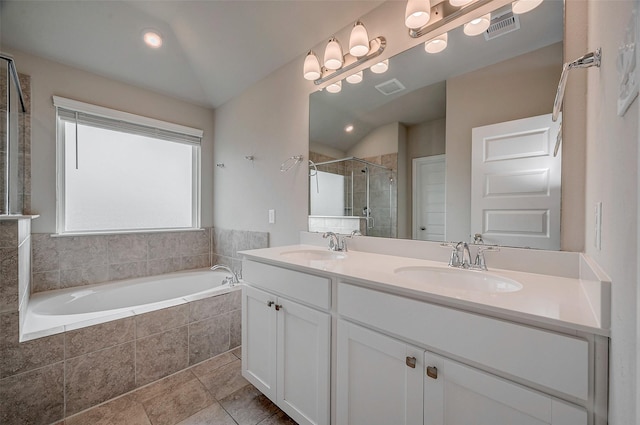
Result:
[[272, 216]]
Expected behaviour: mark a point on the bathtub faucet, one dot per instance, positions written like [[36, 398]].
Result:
[[234, 279]]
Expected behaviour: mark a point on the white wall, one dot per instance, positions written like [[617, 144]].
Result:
[[382, 140], [50, 78], [612, 178]]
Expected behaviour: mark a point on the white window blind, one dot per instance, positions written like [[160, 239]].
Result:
[[119, 172]]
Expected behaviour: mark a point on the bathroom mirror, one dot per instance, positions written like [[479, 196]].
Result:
[[373, 140]]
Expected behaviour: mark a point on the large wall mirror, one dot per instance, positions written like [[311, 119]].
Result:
[[393, 154]]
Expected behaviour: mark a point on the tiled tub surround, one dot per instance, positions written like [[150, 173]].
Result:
[[50, 378], [69, 261]]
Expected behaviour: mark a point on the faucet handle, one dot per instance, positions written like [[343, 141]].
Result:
[[454, 259], [480, 261]]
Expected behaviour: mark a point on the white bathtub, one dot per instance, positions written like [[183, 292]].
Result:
[[63, 310]]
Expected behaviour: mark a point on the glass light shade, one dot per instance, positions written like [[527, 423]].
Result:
[[359, 40], [478, 25], [333, 55], [335, 87], [437, 44], [355, 78], [523, 6], [459, 3], [380, 67], [417, 13], [311, 70], [349, 128]]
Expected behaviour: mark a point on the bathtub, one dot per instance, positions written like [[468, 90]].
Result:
[[62, 310]]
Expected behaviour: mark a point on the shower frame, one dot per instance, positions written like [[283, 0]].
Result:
[[12, 78]]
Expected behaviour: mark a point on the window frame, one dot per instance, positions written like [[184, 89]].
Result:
[[187, 135]]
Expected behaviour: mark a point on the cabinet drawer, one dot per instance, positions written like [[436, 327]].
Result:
[[546, 358], [307, 288]]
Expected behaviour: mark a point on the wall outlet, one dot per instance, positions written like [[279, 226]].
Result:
[[598, 230], [272, 216]]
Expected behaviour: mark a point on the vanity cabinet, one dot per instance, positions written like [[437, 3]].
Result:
[[286, 345]]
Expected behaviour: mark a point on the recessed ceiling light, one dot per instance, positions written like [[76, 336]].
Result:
[[152, 39], [348, 128]]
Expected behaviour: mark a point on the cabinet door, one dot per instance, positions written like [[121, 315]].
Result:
[[375, 385], [455, 394], [259, 340], [303, 362]]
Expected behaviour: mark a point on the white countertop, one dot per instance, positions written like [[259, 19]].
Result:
[[550, 301]]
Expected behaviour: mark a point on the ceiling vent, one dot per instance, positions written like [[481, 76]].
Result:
[[390, 87], [502, 24]]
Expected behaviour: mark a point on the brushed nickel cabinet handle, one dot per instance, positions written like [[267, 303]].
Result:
[[411, 362], [270, 303], [432, 372]]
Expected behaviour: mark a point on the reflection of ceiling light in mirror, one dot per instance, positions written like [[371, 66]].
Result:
[[333, 55], [311, 70], [459, 3], [523, 6], [355, 78], [348, 128], [437, 44], [380, 67], [152, 39], [335, 87], [478, 26], [359, 40], [417, 13]]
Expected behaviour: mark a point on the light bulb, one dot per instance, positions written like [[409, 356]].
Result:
[[359, 40], [152, 39], [478, 25], [349, 128], [335, 87], [437, 44], [523, 6], [417, 13], [333, 55], [459, 3], [311, 69], [380, 67], [355, 78]]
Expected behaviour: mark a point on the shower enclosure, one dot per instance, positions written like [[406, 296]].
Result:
[[13, 146], [354, 194]]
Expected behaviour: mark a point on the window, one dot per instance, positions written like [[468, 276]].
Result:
[[119, 172]]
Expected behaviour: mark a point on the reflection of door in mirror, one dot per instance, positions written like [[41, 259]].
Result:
[[515, 194], [428, 198]]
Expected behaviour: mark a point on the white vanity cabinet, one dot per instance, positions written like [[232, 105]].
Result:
[[286, 344]]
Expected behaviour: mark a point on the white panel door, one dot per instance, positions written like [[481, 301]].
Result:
[[259, 340], [429, 198], [515, 183], [375, 385], [455, 394], [304, 343]]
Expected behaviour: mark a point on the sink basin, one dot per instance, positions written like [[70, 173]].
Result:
[[466, 280], [313, 255]]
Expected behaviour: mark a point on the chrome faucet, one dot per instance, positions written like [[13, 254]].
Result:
[[461, 256], [335, 242], [234, 277], [465, 258]]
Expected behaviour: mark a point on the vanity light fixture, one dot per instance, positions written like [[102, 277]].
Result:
[[311, 69], [359, 40], [523, 6], [335, 87], [478, 25], [417, 13], [437, 44], [355, 78], [152, 39], [380, 67], [459, 3]]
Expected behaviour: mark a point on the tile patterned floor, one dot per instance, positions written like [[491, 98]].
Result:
[[210, 393]]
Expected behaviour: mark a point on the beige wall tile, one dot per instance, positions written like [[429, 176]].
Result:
[[99, 376], [35, 397], [122, 410], [84, 276], [45, 281], [8, 295], [44, 253], [127, 248], [208, 366], [194, 243], [8, 234], [163, 245], [18, 357], [184, 401], [208, 307], [164, 265], [97, 337], [195, 262], [161, 320], [235, 328], [127, 271], [161, 354], [208, 338]]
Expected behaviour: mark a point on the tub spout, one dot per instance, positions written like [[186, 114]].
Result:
[[234, 278]]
